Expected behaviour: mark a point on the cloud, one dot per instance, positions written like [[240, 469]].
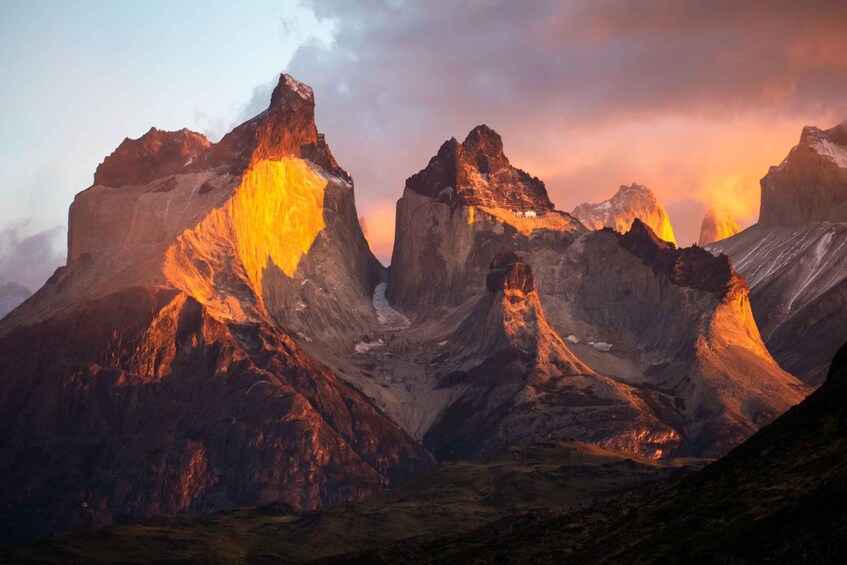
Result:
[[29, 259], [258, 103], [693, 99]]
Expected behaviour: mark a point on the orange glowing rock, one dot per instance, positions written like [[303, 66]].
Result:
[[619, 212], [717, 225], [272, 218], [277, 213]]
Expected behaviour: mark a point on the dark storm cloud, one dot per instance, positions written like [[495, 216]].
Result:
[[575, 62], [29, 259], [402, 77]]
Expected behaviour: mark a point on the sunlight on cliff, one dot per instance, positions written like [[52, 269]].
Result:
[[731, 192], [733, 325], [664, 229], [551, 221], [276, 213], [273, 217]]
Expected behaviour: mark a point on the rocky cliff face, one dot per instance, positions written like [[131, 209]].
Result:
[[798, 281], [476, 172], [467, 204], [794, 257], [222, 336], [517, 381], [158, 372], [619, 211], [811, 183], [154, 155], [671, 327], [717, 225], [683, 318]]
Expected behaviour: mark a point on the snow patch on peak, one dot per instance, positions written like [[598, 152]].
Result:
[[832, 151], [304, 91]]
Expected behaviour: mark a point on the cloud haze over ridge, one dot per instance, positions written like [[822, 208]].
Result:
[[29, 258]]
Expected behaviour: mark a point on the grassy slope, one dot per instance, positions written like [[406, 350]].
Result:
[[455, 497], [781, 497]]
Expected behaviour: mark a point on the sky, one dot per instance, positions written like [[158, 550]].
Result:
[[693, 99]]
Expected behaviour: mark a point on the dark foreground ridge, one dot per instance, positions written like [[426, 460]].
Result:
[[780, 497]]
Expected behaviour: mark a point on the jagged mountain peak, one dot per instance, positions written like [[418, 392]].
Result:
[[509, 315], [482, 140], [155, 154], [718, 224], [691, 267], [635, 188], [810, 184], [837, 134], [187, 287], [289, 89], [631, 202], [476, 172], [793, 258], [285, 129], [642, 236], [516, 378]]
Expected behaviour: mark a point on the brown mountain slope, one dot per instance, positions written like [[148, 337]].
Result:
[[672, 324], [157, 374], [457, 496], [795, 257], [777, 498], [517, 382]]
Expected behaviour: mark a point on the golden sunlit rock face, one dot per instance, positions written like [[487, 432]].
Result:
[[277, 213], [272, 218], [619, 212], [717, 225]]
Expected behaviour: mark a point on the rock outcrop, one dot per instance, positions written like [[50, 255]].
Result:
[[619, 211], [683, 318], [810, 185], [717, 225], [795, 257], [798, 290], [672, 327], [159, 372], [154, 155], [476, 172], [517, 382], [222, 335], [452, 235]]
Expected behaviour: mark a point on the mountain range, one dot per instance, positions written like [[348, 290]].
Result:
[[222, 337], [794, 256]]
